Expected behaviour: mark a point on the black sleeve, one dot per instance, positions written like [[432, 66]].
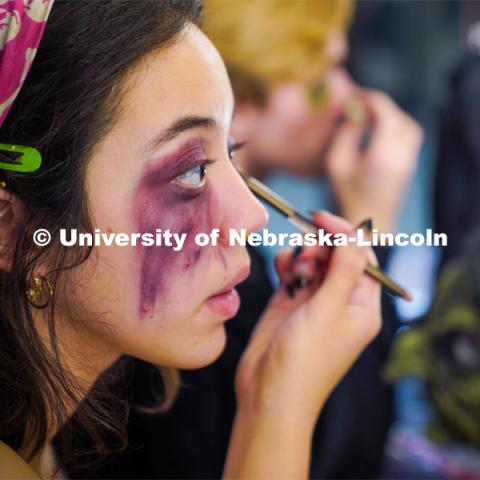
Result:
[[352, 429]]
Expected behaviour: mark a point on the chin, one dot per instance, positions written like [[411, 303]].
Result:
[[205, 351]]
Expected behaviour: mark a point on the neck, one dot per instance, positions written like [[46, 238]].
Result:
[[83, 358], [44, 463]]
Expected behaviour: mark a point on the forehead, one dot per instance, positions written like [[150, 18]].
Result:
[[186, 78]]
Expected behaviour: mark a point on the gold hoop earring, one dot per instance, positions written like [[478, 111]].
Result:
[[41, 289], [3, 185]]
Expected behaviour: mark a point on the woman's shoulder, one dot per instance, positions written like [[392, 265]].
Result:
[[12, 466]]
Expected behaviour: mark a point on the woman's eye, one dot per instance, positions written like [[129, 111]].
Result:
[[193, 178], [233, 148]]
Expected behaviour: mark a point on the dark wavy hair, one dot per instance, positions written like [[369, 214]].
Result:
[[71, 98]]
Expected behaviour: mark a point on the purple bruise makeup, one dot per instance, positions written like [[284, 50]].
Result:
[[161, 203]]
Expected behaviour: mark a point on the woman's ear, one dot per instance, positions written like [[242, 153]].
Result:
[[11, 211]]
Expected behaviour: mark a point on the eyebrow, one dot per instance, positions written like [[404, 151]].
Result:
[[177, 127]]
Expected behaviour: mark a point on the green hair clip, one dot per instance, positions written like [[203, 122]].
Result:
[[19, 159]]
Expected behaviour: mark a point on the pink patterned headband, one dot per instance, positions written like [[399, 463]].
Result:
[[21, 27]]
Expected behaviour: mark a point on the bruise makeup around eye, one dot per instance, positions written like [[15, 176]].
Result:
[[160, 203], [172, 165]]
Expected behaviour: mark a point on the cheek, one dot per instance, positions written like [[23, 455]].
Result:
[[292, 103], [159, 266]]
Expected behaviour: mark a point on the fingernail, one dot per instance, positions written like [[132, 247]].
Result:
[[297, 251], [300, 282], [366, 224], [365, 140], [301, 268], [355, 111], [290, 290]]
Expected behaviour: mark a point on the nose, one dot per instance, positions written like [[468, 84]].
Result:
[[340, 85], [244, 210]]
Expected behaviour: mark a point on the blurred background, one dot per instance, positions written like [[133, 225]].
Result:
[[425, 54]]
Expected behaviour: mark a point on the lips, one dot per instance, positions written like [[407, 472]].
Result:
[[241, 276], [227, 302]]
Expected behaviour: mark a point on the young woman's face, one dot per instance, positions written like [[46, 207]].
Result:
[[291, 132], [165, 165]]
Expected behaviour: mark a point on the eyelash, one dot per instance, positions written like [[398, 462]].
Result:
[[234, 148], [180, 179]]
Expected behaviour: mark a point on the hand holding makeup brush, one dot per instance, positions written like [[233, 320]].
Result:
[[302, 346], [370, 176]]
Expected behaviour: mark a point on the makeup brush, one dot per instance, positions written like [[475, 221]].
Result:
[[306, 225]]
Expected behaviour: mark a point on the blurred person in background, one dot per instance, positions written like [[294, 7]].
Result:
[[443, 348], [301, 113], [458, 167]]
